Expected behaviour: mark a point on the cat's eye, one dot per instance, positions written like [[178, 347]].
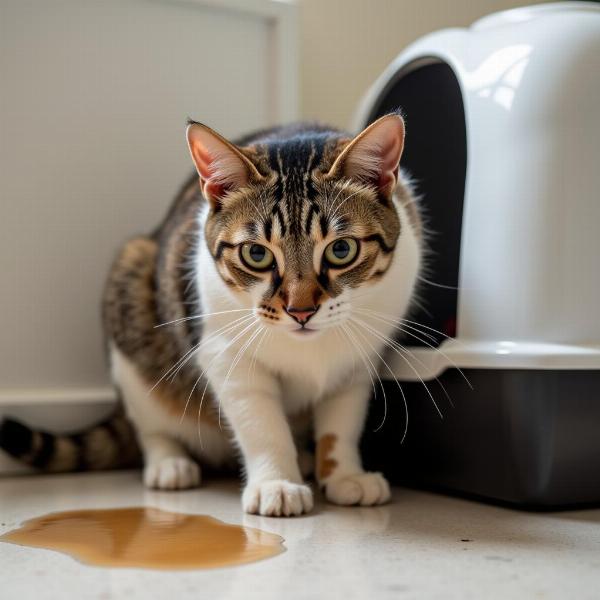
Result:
[[340, 253], [256, 257]]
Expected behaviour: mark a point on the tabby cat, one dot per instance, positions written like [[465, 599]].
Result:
[[244, 322]]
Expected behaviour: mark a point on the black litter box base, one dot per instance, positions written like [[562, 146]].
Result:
[[527, 438]]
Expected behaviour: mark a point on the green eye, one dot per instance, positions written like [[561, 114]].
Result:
[[341, 252], [256, 257]]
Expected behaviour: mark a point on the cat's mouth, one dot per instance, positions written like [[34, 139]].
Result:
[[304, 331]]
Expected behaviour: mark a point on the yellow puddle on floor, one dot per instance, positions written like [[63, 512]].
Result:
[[146, 538]]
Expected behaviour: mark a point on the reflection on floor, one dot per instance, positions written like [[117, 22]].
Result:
[[420, 546]]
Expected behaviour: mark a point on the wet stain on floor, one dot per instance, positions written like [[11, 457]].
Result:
[[146, 538]]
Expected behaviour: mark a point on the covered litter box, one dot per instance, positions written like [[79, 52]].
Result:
[[503, 141]]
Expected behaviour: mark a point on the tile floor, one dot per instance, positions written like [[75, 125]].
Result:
[[420, 546]]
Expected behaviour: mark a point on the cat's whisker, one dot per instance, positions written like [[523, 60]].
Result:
[[413, 357], [339, 217], [241, 351], [252, 366], [395, 345], [415, 300], [416, 323], [344, 202], [203, 316], [397, 383], [395, 322], [222, 331], [235, 362], [438, 285], [375, 370], [442, 354], [205, 370], [332, 204], [265, 339], [356, 345], [387, 341], [263, 198], [437, 379], [228, 329], [337, 200], [174, 366], [261, 218], [403, 320], [194, 349], [400, 325]]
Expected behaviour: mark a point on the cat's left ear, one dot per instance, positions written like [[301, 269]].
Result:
[[221, 165], [373, 156]]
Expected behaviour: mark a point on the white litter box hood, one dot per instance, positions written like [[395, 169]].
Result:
[[529, 271]]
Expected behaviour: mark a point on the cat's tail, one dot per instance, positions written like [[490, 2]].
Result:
[[109, 445]]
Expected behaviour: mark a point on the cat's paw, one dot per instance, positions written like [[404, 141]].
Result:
[[172, 473], [365, 489], [277, 498]]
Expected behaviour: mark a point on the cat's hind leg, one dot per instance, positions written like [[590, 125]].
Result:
[[167, 465]]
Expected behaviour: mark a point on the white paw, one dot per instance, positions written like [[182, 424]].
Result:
[[172, 473], [277, 498], [366, 489]]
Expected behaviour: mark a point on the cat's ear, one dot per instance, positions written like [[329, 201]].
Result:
[[221, 165], [373, 156]]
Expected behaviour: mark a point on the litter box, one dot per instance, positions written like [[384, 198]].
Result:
[[503, 143]]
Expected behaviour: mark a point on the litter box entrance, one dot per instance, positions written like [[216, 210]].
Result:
[[428, 93]]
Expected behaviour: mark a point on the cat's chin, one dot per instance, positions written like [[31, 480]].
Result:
[[305, 333]]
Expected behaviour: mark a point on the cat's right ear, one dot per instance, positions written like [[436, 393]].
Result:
[[221, 165]]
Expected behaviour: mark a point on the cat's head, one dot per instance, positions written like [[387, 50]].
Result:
[[303, 222]]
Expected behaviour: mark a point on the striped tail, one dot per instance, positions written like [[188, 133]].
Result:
[[109, 445]]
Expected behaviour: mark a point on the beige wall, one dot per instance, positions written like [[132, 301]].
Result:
[[345, 44], [109, 84]]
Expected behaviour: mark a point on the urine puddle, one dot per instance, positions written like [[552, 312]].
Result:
[[146, 538]]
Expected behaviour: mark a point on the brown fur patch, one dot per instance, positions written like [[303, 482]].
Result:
[[325, 464]]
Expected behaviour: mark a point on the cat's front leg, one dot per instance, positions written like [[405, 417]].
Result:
[[252, 406], [339, 421]]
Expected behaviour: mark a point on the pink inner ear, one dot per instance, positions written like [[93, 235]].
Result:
[[375, 156], [219, 165], [214, 184], [202, 159], [212, 189], [390, 159]]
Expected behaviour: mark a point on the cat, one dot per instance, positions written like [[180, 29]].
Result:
[[247, 319]]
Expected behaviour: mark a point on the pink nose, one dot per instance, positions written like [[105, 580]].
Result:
[[302, 315]]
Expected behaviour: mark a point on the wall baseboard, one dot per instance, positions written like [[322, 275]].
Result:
[[58, 395]]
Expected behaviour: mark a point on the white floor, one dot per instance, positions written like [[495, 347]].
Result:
[[420, 546]]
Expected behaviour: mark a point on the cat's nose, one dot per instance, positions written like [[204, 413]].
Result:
[[302, 315]]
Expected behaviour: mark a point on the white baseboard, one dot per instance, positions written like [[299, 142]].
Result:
[[58, 395]]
